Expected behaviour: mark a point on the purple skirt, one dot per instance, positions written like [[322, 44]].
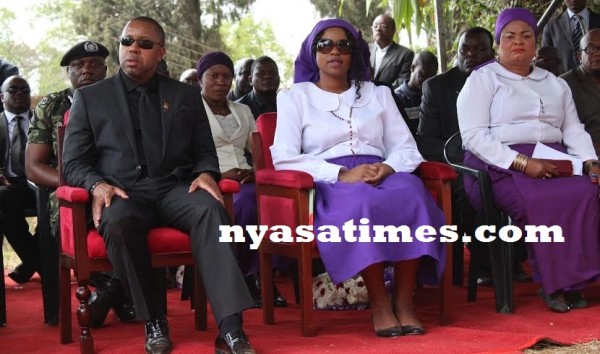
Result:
[[570, 202], [401, 199]]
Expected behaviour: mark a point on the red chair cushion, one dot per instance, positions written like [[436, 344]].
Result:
[[160, 240]]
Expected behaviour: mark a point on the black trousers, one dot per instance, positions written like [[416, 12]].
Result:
[[15, 199], [160, 202]]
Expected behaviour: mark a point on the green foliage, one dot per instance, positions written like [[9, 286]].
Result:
[[191, 26], [360, 13], [240, 37]]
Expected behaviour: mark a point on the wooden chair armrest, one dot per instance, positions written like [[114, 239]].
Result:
[[285, 178]]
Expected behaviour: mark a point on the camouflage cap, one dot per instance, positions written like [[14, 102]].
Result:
[[84, 50]]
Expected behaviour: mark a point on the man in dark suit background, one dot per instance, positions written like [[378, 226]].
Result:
[[15, 194], [141, 144], [584, 82], [6, 70], [390, 61], [437, 117], [558, 32]]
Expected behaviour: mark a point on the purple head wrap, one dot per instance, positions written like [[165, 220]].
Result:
[[305, 67], [211, 59], [512, 14]]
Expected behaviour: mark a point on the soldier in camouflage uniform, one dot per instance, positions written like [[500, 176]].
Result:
[[85, 64]]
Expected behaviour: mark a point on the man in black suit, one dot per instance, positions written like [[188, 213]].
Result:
[[390, 61], [559, 31], [15, 194], [6, 70], [141, 144], [584, 82], [437, 117], [265, 83]]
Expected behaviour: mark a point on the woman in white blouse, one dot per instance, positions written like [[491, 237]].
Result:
[[504, 109], [231, 124], [349, 135]]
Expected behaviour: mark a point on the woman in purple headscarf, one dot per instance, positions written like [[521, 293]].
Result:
[[348, 134], [507, 107]]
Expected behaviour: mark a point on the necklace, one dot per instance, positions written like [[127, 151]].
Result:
[[349, 121], [220, 112]]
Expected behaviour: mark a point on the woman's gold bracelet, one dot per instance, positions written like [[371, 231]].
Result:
[[520, 162]]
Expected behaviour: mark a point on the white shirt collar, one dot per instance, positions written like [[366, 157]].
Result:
[[329, 101], [10, 116], [536, 74], [584, 14]]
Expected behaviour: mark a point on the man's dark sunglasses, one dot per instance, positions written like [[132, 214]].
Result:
[[142, 43], [325, 46], [15, 89]]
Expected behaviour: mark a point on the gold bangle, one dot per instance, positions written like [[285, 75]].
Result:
[[520, 162]]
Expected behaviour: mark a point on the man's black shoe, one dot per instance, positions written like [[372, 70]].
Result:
[[157, 337], [234, 342], [125, 311], [100, 304], [22, 273], [109, 295]]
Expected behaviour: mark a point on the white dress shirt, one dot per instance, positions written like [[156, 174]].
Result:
[[230, 149], [308, 133], [11, 126], [584, 15], [497, 108], [379, 54]]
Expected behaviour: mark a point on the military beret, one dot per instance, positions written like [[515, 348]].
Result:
[[84, 50]]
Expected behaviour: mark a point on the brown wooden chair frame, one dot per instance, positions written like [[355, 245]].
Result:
[[295, 194]]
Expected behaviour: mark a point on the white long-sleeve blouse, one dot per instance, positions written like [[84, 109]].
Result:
[[314, 125], [497, 108]]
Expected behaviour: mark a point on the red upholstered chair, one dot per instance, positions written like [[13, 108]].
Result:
[[284, 198], [83, 251]]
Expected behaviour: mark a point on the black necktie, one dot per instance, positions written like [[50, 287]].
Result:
[[17, 148], [577, 33], [151, 128]]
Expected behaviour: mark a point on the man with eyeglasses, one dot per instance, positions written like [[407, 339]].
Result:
[[584, 82], [565, 30], [15, 194], [6, 70], [85, 65], [141, 144], [390, 61]]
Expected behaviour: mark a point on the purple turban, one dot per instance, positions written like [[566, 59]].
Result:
[[512, 14], [305, 67], [211, 59]]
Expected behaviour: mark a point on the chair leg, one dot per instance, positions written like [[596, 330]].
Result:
[[446, 288], [64, 307], [502, 270], [306, 299], [200, 313], [478, 250], [86, 342], [2, 288], [266, 286]]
